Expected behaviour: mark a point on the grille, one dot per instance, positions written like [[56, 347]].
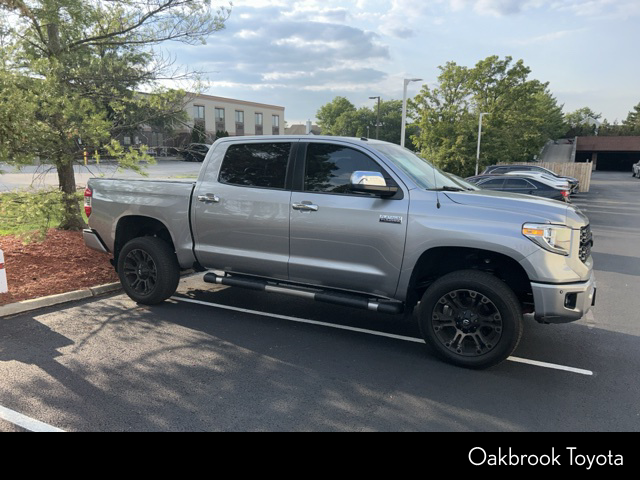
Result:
[[586, 242]]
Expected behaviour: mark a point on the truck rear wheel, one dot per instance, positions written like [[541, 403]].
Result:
[[148, 270], [471, 319]]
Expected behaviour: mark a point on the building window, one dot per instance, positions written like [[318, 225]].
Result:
[[220, 125], [259, 130], [198, 112], [126, 140], [275, 124], [157, 139], [239, 122]]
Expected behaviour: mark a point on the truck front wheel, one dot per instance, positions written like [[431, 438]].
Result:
[[471, 319], [148, 270]]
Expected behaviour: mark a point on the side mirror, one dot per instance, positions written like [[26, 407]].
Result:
[[372, 183]]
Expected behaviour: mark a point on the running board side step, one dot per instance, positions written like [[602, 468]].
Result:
[[344, 299]]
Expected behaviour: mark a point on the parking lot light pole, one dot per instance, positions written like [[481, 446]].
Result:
[[479, 137], [377, 116], [404, 106]]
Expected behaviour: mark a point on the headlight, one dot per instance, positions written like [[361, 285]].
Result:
[[554, 238]]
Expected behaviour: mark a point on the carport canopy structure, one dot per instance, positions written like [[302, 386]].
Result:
[[609, 153]]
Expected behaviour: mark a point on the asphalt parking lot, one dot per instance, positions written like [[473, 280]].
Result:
[[220, 359]]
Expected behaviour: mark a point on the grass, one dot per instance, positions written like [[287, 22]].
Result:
[[185, 176]]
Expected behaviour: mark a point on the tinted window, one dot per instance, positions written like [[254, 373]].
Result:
[[328, 168], [256, 165], [494, 182], [500, 170], [518, 183]]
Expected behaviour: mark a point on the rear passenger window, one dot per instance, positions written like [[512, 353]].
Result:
[[493, 183], [518, 183], [328, 168], [261, 165]]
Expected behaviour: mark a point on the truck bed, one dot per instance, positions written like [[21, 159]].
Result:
[[168, 201]]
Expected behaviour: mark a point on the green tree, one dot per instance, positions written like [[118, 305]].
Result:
[[522, 115], [70, 71], [328, 115], [632, 123], [221, 134], [581, 122], [198, 134], [345, 120]]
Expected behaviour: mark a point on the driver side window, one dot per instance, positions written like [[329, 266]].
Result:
[[328, 168]]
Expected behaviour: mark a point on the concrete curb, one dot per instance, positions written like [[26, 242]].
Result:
[[51, 300]]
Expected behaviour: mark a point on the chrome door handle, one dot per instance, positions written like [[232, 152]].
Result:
[[305, 207], [208, 198]]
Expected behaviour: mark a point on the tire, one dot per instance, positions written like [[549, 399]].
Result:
[[148, 270], [470, 319]]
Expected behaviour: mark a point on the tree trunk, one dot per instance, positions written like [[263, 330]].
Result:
[[72, 217]]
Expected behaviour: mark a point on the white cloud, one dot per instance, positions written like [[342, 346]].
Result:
[[586, 8], [495, 7], [274, 46], [599, 8], [549, 37]]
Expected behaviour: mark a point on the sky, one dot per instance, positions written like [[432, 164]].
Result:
[[302, 54]]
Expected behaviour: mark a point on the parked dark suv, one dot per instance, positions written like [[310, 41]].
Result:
[[195, 152], [502, 169]]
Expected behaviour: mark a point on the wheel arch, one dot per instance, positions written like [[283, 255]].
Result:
[[134, 226], [439, 261]]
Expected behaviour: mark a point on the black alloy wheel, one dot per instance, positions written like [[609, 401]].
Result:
[[148, 270], [140, 272], [467, 322], [470, 318]]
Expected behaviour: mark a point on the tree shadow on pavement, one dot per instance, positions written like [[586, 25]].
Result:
[[182, 367]]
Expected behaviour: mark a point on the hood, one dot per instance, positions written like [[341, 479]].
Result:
[[539, 209]]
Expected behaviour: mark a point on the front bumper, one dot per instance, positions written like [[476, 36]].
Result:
[[563, 303]]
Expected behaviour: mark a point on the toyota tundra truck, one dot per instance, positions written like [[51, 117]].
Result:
[[354, 222]]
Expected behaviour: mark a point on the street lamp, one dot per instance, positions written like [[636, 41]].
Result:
[[377, 116], [479, 137], [404, 106]]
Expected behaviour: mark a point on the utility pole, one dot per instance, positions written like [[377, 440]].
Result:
[[404, 106], [377, 117], [479, 137]]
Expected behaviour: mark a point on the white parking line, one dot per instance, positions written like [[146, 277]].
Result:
[[370, 332], [26, 422]]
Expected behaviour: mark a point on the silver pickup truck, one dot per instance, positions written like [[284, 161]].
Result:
[[354, 222]]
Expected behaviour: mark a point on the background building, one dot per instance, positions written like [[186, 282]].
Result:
[[214, 116], [236, 117]]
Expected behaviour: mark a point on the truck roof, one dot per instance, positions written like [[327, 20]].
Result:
[[305, 137]]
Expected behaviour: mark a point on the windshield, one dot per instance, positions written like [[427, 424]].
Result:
[[422, 172], [544, 170]]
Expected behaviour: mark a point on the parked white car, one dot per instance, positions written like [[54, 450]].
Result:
[[544, 178], [636, 169]]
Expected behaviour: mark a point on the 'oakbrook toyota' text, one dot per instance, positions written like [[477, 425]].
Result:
[[478, 456]]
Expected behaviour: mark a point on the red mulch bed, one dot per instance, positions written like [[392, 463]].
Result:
[[59, 264]]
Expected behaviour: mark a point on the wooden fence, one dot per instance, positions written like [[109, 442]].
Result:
[[581, 171]]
